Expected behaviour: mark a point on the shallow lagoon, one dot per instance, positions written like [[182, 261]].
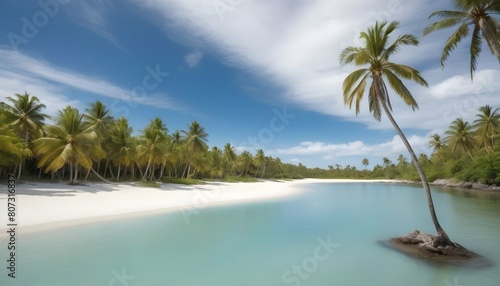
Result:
[[328, 234]]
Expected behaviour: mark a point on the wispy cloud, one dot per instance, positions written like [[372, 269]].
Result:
[[296, 47], [93, 16], [19, 71], [193, 59]]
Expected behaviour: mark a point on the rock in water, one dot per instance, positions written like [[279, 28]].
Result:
[[421, 245]]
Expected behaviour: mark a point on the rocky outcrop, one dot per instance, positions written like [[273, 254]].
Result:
[[447, 183], [421, 245]]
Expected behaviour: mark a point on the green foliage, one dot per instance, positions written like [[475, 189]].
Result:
[[484, 169], [148, 184], [182, 181]]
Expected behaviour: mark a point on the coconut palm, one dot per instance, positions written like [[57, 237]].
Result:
[[436, 143], [153, 146], [68, 143], [260, 162], [477, 15], [196, 143], [25, 115], [216, 166], [460, 137], [387, 162], [365, 162], [402, 161], [122, 145], [229, 156], [12, 148], [245, 162], [374, 55], [98, 118], [487, 126]]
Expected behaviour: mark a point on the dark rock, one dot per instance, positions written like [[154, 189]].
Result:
[[421, 245]]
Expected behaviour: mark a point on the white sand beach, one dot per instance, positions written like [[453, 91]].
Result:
[[47, 205]]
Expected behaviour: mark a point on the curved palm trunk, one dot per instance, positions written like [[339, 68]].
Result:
[[442, 238]]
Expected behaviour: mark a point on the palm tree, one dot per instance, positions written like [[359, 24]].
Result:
[[245, 162], [216, 165], [374, 55], [98, 118], [260, 162], [387, 162], [12, 148], [461, 137], [25, 116], [196, 143], [402, 161], [475, 14], [488, 126], [436, 143], [229, 156], [153, 146], [122, 145], [68, 143], [365, 162]]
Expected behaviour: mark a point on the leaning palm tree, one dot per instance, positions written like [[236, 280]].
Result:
[[475, 14], [487, 126], [68, 143], [374, 55], [460, 137]]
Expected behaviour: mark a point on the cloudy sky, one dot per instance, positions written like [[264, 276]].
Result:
[[254, 73]]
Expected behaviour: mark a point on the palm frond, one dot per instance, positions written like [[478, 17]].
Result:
[[475, 49], [407, 73], [449, 14], [453, 41], [398, 86], [374, 103], [441, 25]]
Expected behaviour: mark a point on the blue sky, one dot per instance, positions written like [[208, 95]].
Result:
[[254, 73]]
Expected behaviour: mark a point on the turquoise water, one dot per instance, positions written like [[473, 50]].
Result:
[[327, 235]]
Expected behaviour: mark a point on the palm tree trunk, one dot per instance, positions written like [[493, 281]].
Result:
[[87, 176], [20, 168], [146, 172], [99, 176], [70, 173], [442, 238], [118, 173]]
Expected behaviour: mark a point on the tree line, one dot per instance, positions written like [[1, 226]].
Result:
[[82, 145]]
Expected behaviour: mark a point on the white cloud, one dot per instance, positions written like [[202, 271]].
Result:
[[296, 46], [330, 150], [94, 17], [20, 72], [193, 59]]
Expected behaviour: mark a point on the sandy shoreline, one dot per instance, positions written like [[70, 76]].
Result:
[[42, 206]]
